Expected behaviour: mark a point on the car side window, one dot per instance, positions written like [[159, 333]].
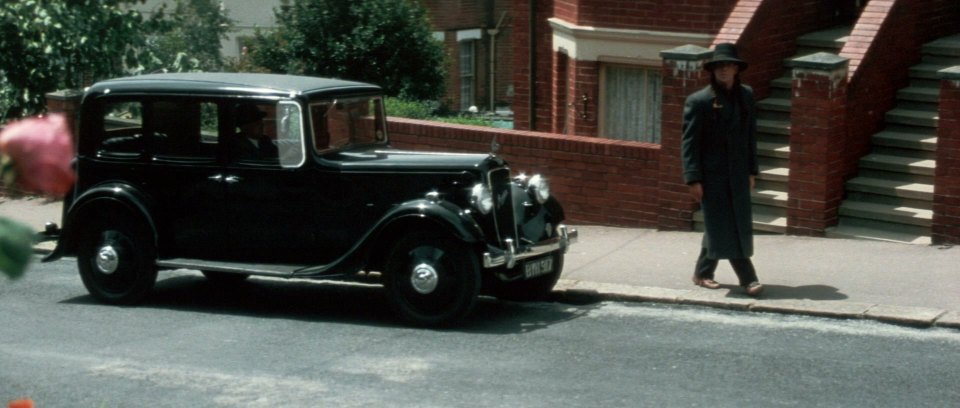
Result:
[[122, 134], [254, 139], [184, 129]]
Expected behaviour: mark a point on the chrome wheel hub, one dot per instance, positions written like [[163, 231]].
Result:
[[107, 259], [424, 279]]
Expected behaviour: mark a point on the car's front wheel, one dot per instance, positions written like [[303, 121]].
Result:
[[431, 279], [117, 261]]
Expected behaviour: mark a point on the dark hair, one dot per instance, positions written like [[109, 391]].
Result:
[[734, 95]]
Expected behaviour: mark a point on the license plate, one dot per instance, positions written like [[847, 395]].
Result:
[[538, 267]]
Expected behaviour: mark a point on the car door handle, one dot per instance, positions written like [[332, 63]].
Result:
[[226, 179]]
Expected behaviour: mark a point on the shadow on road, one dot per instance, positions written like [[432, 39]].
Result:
[[325, 301]]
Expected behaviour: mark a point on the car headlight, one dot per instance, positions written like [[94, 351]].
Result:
[[481, 198], [538, 188]]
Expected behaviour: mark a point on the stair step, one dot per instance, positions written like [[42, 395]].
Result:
[[893, 188], [777, 150], [775, 104], [905, 140], [919, 94], [910, 165], [776, 127], [765, 219], [912, 117], [784, 82], [832, 39], [772, 198], [776, 174], [949, 46], [887, 213], [879, 231], [927, 70]]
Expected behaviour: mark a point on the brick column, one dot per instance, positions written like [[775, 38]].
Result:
[[946, 184], [817, 137], [66, 102], [683, 74]]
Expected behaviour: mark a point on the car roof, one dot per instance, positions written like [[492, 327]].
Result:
[[230, 83]]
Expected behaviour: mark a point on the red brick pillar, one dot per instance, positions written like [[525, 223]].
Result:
[[66, 102], [683, 74], [946, 184], [817, 136]]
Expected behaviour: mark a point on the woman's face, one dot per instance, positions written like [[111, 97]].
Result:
[[726, 73]]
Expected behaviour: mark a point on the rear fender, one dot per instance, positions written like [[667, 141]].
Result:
[[111, 200]]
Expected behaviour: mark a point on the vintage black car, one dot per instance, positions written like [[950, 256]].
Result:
[[287, 176]]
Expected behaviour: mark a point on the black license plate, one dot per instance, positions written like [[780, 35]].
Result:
[[538, 267]]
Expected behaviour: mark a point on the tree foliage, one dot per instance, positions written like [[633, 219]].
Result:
[[387, 42], [46, 45], [187, 38], [52, 44]]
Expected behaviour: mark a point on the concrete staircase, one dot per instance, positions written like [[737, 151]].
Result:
[[773, 138], [891, 198]]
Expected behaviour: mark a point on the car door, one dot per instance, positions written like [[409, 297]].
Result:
[[271, 216], [184, 139]]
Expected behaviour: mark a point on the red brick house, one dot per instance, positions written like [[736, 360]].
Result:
[[477, 35], [859, 106], [858, 125]]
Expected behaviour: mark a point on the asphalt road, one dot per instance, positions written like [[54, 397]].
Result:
[[295, 343]]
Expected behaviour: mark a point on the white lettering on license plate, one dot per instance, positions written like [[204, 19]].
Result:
[[538, 267]]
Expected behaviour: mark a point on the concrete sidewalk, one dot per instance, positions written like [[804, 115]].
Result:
[[890, 282]]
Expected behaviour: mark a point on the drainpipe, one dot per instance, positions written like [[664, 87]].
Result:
[[493, 61], [532, 66]]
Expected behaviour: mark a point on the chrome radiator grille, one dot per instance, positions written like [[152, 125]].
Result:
[[500, 186]]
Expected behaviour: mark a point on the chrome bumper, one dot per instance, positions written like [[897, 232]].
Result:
[[510, 256]]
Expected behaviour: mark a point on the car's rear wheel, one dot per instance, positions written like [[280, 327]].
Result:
[[116, 259], [431, 279], [534, 289]]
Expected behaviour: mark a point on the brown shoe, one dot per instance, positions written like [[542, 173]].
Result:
[[707, 283], [754, 289]]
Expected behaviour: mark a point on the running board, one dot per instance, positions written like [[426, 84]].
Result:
[[282, 271]]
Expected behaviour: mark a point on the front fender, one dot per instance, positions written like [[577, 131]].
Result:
[[444, 214], [422, 213], [110, 198]]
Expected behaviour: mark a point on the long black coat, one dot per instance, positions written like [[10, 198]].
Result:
[[719, 150]]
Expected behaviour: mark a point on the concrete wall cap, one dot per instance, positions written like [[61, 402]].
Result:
[[821, 61], [687, 53]]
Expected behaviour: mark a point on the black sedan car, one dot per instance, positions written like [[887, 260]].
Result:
[[286, 176]]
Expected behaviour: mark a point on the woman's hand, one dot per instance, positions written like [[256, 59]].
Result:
[[696, 190]]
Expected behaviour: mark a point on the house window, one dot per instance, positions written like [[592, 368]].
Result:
[[631, 103], [467, 73]]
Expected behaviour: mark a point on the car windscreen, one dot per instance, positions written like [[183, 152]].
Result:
[[347, 122]]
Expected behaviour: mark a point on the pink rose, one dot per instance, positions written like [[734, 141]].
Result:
[[42, 150]]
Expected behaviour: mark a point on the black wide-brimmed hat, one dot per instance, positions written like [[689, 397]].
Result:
[[725, 52], [248, 113]]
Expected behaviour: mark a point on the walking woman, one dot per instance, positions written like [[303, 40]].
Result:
[[719, 152]]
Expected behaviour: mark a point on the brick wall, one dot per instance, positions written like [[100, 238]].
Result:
[[682, 74], [766, 32], [693, 16], [536, 68], [946, 193], [597, 181], [819, 113]]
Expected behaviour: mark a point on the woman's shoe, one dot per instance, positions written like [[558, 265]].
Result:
[[707, 283], [754, 289]]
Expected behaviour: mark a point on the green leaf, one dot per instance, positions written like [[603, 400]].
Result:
[[16, 246]]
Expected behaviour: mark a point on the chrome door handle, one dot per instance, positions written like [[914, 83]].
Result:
[[216, 177], [232, 179]]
